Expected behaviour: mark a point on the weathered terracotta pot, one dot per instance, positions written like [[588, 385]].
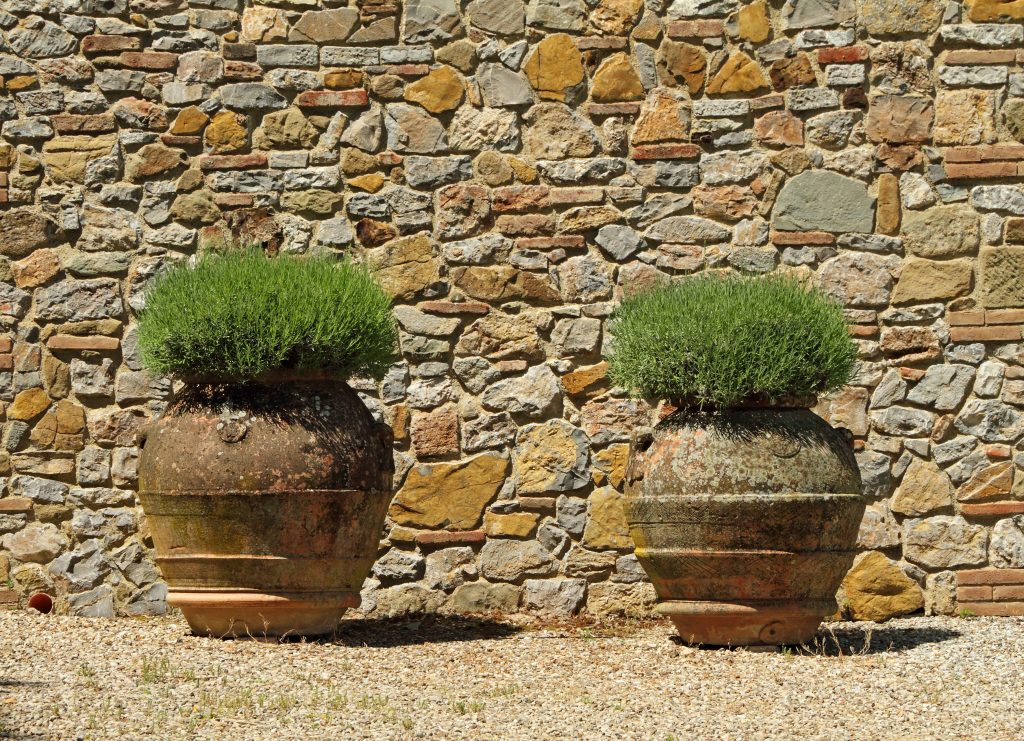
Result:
[[266, 502], [745, 520]]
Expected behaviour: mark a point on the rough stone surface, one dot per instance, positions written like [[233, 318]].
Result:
[[944, 542], [531, 395], [555, 596], [751, 22], [877, 589], [324, 26], [441, 90], [606, 521], [431, 20], [995, 10], [449, 568], [436, 433], [942, 231], [878, 528], [857, 279], [965, 117], [940, 593], [900, 119], [924, 489], [25, 231], [226, 132], [473, 129], [988, 483], [481, 597], [501, 87], [683, 64], [943, 387], [616, 81], [497, 16], [739, 74], [406, 266], [412, 130], [36, 543], [824, 201], [1006, 550], [620, 600], [932, 280], [556, 132], [555, 67], [550, 457], [561, 15], [990, 420], [97, 602], [664, 117], [467, 487], [1013, 117], [1002, 277], [895, 17], [511, 170], [398, 565], [513, 560]]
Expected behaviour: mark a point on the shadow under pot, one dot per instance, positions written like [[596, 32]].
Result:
[[266, 502], [745, 520]]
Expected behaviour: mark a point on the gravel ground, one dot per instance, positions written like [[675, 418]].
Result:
[[919, 678]]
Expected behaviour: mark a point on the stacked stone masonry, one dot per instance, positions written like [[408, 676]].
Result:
[[513, 169]]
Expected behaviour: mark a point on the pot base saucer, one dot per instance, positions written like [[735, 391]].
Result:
[[767, 623], [242, 614]]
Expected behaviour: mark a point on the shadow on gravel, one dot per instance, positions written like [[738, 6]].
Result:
[[7, 710], [383, 633], [857, 641], [18, 736], [860, 641]]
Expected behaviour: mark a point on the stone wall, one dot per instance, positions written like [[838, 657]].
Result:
[[511, 170]]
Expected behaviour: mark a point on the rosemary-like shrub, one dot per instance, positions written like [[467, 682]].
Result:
[[237, 314], [718, 341]]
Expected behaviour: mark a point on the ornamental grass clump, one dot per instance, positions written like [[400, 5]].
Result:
[[238, 314], [721, 341]]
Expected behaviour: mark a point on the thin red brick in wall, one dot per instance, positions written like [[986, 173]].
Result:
[[448, 537], [984, 171], [978, 325], [991, 591], [695, 29], [992, 509], [991, 153], [989, 56]]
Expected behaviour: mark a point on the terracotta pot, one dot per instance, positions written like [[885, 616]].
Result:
[[266, 502], [745, 520]]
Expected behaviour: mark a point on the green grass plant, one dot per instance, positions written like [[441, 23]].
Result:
[[721, 340], [238, 314]]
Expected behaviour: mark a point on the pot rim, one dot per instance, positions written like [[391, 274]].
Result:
[[789, 401], [271, 377]]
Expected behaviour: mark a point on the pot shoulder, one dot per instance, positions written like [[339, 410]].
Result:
[[265, 437], [743, 452]]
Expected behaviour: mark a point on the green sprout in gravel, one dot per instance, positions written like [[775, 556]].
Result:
[[238, 314], [719, 341]]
